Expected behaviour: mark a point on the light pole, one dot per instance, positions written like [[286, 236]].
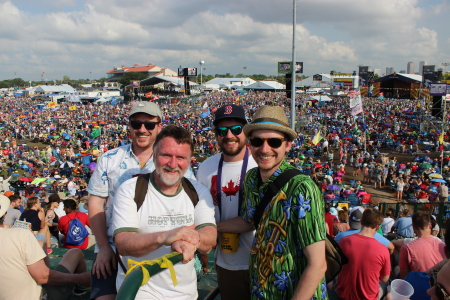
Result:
[[202, 62]]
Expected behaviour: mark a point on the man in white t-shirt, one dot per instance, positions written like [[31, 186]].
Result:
[[167, 220], [230, 166]]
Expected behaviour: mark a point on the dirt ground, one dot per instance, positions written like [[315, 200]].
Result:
[[385, 194]]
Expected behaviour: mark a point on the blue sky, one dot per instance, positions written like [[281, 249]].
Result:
[[83, 39]]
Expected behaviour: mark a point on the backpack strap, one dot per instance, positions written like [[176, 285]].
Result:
[[190, 190], [273, 188], [141, 189]]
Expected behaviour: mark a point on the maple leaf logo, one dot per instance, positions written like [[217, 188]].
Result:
[[230, 189]]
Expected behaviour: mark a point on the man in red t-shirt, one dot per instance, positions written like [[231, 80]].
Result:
[[425, 251], [70, 207], [369, 261]]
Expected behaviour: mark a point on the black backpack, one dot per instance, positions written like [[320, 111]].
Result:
[[333, 253]]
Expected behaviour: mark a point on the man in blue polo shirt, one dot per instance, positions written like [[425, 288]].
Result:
[[355, 227]]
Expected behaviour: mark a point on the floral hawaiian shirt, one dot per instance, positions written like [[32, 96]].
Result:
[[293, 220]]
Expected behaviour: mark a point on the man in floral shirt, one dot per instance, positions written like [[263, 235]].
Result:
[[287, 259]]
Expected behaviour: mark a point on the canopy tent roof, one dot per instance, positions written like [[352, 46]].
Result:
[[265, 85], [64, 88], [326, 81], [231, 81], [410, 78], [166, 79], [318, 98]]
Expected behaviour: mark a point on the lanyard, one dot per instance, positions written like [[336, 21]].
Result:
[[219, 181]]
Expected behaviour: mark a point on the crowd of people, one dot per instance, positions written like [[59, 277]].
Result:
[[267, 247]]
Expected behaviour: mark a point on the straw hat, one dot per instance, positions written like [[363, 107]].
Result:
[[271, 118]]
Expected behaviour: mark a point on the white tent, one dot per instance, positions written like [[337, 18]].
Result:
[[50, 89], [265, 85], [318, 98]]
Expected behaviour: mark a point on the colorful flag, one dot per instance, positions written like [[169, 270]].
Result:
[[316, 138], [95, 133], [441, 138], [52, 104], [356, 110], [72, 107]]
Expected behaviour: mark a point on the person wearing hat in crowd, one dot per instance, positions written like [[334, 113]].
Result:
[[218, 173], [293, 221], [24, 266], [359, 279], [354, 222], [112, 169]]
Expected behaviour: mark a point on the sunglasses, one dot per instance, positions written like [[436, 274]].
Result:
[[272, 142], [223, 130], [441, 294], [136, 125]]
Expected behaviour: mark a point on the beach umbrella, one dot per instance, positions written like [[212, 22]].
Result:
[[333, 187], [38, 180], [435, 176], [438, 180], [56, 162], [67, 164], [27, 179], [426, 166]]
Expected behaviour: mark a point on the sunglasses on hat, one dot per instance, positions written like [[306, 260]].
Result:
[[136, 125], [223, 130], [272, 142], [441, 294]]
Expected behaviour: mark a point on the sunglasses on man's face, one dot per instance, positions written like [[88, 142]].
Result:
[[440, 292], [272, 142], [136, 125], [223, 130]]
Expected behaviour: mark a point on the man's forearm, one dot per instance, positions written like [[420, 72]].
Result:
[[208, 239], [138, 244], [235, 225], [97, 222]]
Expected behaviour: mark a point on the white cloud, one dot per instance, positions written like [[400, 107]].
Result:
[[73, 39]]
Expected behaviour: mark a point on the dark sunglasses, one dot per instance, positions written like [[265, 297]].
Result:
[[441, 294], [223, 130], [136, 125], [272, 142]]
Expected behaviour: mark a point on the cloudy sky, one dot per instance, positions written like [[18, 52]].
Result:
[[85, 39]]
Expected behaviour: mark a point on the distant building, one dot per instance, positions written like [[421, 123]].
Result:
[[421, 64], [410, 68], [389, 70], [402, 72], [149, 70], [377, 72]]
